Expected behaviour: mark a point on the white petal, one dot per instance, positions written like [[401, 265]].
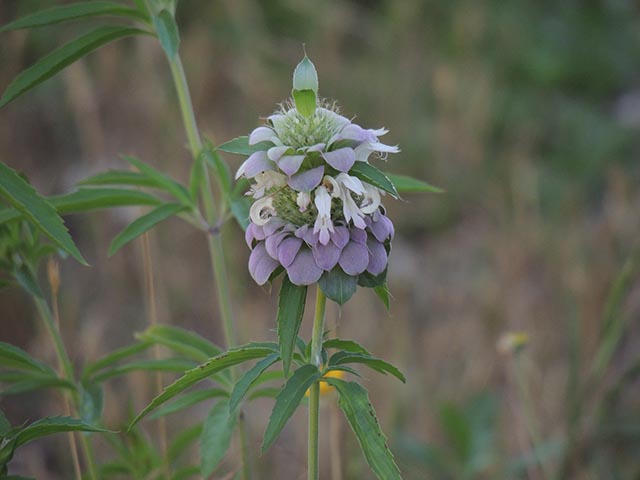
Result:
[[381, 147], [352, 183], [261, 134], [261, 211]]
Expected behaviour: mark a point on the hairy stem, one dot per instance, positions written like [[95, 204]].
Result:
[[216, 251], [314, 391]]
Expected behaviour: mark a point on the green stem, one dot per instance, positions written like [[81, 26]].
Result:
[[216, 250], [314, 391], [67, 372]]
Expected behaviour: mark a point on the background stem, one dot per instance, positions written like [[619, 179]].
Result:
[[216, 250], [314, 391]]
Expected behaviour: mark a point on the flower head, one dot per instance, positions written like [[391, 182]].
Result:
[[313, 211]]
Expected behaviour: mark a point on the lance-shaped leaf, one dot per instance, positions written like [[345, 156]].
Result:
[[73, 11], [382, 291], [88, 199], [113, 358], [144, 224], [240, 146], [52, 63], [15, 358], [179, 191], [343, 358], [370, 174], [180, 340], [249, 378], [37, 209], [290, 311], [406, 184], [201, 372], [354, 403], [182, 441], [288, 400], [120, 177], [51, 425], [347, 345], [216, 437], [188, 400]]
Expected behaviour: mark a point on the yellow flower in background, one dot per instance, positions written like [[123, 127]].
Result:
[[325, 388], [512, 342]]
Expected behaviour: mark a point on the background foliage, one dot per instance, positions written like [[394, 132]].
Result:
[[524, 111]]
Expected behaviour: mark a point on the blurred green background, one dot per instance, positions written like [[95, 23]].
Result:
[[526, 112]]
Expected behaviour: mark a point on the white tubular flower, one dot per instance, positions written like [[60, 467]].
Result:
[[352, 212], [352, 183], [332, 186], [371, 199], [262, 210], [266, 181], [303, 200], [323, 224]]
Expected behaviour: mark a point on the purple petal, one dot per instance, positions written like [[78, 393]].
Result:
[[290, 164], [261, 134], [257, 163], [318, 147], [358, 235], [377, 257], [382, 228], [272, 242], [302, 231], [353, 132], [288, 249], [326, 256], [261, 265], [254, 232], [307, 180], [303, 270], [272, 225], [341, 159], [340, 236], [354, 258], [275, 153]]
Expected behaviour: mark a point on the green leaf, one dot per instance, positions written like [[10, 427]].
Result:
[[348, 345], [113, 358], [240, 210], [337, 285], [87, 199], [179, 191], [73, 11], [383, 294], [370, 174], [27, 382], [220, 167], [305, 76], [37, 209], [201, 372], [165, 365], [354, 403], [52, 63], [288, 400], [240, 145], [365, 279], [182, 341], [52, 425], [144, 224], [167, 31], [406, 184], [13, 357], [249, 378], [119, 177], [216, 437], [342, 358], [305, 101], [290, 311], [5, 426], [188, 400], [267, 392]]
